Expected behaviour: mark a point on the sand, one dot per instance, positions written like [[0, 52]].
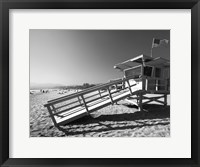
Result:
[[118, 120]]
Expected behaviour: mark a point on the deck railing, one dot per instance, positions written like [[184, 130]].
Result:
[[155, 84]]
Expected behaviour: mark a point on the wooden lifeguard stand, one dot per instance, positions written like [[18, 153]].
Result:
[[151, 76], [143, 75]]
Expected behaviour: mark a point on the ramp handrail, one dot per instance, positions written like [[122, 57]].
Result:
[[86, 91]]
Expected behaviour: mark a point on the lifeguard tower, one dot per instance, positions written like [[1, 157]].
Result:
[[150, 76], [143, 76]]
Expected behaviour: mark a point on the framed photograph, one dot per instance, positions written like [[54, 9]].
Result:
[[99, 83]]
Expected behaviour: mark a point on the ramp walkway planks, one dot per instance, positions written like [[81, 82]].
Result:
[[74, 106]]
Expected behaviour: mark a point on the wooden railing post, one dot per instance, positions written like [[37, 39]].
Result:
[[54, 110], [140, 101], [52, 116], [79, 100], [129, 86], [165, 99], [123, 84], [99, 92], [116, 86], [86, 107], [156, 85], [110, 95], [143, 82], [146, 84]]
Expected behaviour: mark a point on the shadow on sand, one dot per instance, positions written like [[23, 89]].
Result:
[[152, 112]]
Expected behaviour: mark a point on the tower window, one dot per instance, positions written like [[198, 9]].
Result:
[[158, 73], [147, 71]]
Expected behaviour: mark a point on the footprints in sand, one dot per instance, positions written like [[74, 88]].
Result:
[[112, 121]]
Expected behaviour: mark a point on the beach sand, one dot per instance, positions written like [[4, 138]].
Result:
[[118, 120]]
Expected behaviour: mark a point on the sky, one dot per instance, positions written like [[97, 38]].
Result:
[[74, 57]]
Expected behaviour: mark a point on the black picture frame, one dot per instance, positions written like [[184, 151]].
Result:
[[5, 5]]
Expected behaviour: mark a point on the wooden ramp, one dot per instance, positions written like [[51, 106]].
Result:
[[74, 106]]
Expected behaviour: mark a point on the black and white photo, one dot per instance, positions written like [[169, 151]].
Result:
[[99, 83]]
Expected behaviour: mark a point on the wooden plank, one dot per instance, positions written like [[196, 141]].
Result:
[[77, 115], [97, 101], [73, 102], [157, 92], [151, 99], [93, 95], [133, 98], [68, 109], [108, 101], [145, 97], [103, 96], [159, 101], [72, 111], [132, 102]]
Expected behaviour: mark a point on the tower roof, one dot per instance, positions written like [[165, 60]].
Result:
[[142, 59]]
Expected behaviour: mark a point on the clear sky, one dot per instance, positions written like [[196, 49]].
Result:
[[69, 57]]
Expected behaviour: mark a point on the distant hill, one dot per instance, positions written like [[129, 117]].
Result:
[[45, 86], [36, 86]]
